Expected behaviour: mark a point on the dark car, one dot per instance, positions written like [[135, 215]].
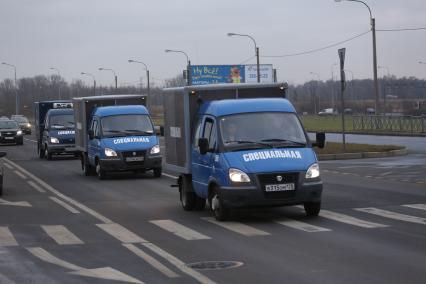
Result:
[[2, 154], [23, 123], [10, 132]]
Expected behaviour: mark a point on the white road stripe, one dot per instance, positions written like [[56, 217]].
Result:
[[179, 230], [169, 176], [8, 166], [36, 187], [47, 257], [65, 205], [349, 220], [301, 226], [61, 235], [106, 273], [179, 264], [152, 261], [121, 233], [236, 227], [416, 206], [393, 215], [17, 203], [6, 238], [21, 175]]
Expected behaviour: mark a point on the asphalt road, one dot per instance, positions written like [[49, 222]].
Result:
[[58, 226]]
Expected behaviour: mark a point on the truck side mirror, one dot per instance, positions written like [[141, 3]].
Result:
[[203, 145], [2, 154], [91, 134], [320, 143]]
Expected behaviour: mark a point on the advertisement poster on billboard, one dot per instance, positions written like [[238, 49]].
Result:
[[266, 73], [217, 74]]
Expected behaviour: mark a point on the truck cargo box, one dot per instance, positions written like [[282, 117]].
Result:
[[84, 106], [180, 109]]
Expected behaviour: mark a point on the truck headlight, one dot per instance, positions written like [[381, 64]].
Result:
[[110, 152], [19, 132], [155, 149], [28, 125], [54, 140], [236, 175], [313, 171]]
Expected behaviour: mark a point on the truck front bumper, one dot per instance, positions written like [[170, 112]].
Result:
[[62, 149], [116, 165], [252, 196]]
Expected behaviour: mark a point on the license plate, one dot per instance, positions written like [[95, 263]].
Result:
[[9, 138], [134, 159], [279, 187]]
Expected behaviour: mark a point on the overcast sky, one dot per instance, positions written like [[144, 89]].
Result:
[[83, 35]]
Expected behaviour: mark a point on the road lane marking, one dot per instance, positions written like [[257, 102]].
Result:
[[179, 264], [179, 230], [18, 203], [173, 260], [8, 166], [170, 176], [393, 215], [301, 225], [152, 261], [36, 187], [237, 227], [65, 205], [21, 175], [30, 140], [106, 273], [416, 206], [120, 233], [61, 235], [350, 220], [6, 238]]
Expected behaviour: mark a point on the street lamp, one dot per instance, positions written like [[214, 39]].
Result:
[[373, 29], [16, 88], [188, 68], [59, 80], [115, 75], [256, 49], [147, 74], [94, 81]]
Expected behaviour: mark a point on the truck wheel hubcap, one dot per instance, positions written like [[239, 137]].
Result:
[[215, 202]]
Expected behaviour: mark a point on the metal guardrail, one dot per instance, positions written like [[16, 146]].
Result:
[[406, 124]]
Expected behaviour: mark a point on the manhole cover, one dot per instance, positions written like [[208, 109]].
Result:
[[214, 265]]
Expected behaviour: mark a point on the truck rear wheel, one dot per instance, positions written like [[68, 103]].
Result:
[[87, 168], [221, 213], [312, 208], [40, 151], [189, 200]]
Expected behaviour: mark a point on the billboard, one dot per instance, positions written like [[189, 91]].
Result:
[[219, 74]]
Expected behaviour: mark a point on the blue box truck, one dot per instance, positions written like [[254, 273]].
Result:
[[54, 127], [240, 145], [115, 133]]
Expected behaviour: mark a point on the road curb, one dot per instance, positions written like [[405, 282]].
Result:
[[362, 155]]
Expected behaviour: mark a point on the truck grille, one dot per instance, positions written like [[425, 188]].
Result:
[[131, 154], [265, 179]]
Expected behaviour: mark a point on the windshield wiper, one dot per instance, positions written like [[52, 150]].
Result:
[[284, 140], [139, 131], [249, 142]]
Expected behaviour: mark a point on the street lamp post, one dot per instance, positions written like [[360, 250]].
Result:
[[316, 89], [16, 88], [94, 81], [373, 29], [115, 75], [59, 80], [256, 49], [147, 75], [188, 67]]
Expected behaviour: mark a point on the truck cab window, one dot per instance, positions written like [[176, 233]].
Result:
[[197, 131], [210, 132]]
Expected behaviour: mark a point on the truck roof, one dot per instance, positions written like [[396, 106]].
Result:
[[57, 111], [120, 110], [108, 97], [234, 106]]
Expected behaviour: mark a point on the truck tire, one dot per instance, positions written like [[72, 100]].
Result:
[[101, 173], [47, 153], [187, 194], [40, 151], [312, 208], [157, 172], [221, 213], [86, 167]]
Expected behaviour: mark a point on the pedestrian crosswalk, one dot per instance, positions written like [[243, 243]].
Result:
[[207, 228]]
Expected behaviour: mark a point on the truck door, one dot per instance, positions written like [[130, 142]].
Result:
[[94, 145], [203, 165]]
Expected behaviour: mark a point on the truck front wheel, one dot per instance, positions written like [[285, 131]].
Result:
[[221, 213], [47, 153], [312, 208], [40, 151], [100, 172]]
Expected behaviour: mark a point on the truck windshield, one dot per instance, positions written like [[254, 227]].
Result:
[[273, 129], [8, 125], [61, 121], [126, 125], [20, 119]]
